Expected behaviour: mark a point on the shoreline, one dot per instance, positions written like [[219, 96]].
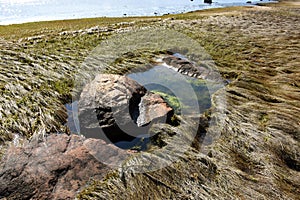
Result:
[[141, 16], [31, 28]]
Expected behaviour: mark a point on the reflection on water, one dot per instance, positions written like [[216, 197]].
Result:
[[140, 143], [73, 122], [166, 82]]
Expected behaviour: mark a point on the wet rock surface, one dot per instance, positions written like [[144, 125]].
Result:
[[186, 67], [56, 167]]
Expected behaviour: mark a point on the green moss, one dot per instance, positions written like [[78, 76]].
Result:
[[64, 88], [171, 100], [264, 119]]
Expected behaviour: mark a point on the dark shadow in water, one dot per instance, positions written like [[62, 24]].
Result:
[[114, 134]]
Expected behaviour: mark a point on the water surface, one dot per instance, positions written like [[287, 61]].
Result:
[[20, 11], [185, 94]]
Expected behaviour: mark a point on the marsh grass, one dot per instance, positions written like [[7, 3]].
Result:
[[18, 31], [255, 47]]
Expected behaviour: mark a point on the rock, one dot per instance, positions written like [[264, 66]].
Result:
[[192, 69], [208, 1], [107, 97], [184, 66], [38, 37], [116, 107], [55, 168], [249, 2], [153, 107]]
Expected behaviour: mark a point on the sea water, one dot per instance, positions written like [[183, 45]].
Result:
[[20, 11]]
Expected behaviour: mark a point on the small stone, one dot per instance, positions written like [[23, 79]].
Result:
[[153, 107]]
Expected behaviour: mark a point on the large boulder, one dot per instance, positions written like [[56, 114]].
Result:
[[107, 98], [54, 168], [118, 108]]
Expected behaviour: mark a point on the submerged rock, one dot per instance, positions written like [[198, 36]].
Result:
[[192, 69]]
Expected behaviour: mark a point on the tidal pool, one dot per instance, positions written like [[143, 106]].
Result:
[[186, 95]]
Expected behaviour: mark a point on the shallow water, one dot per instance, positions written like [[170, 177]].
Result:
[[185, 94], [20, 11], [72, 121]]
